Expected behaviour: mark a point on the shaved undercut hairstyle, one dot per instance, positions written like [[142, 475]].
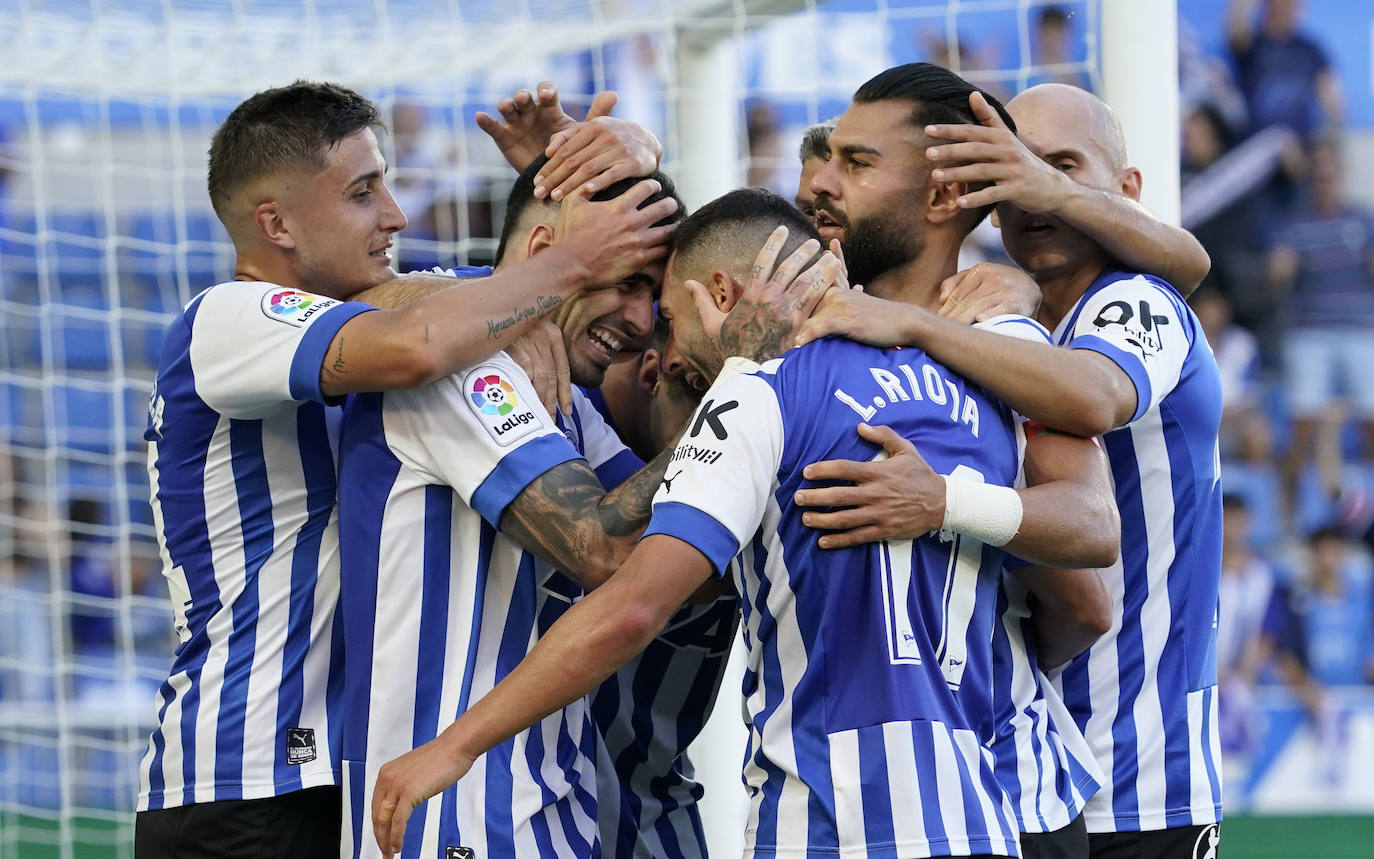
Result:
[[727, 233], [938, 97], [815, 142], [522, 200], [281, 129]]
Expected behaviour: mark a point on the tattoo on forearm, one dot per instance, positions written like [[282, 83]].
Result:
[[567, 517], [338, 368], [542, 304]]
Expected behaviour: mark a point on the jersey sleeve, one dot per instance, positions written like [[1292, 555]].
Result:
[[257, 346], [1141, 327], [481, 431], [716, 486], [608, 456], [1015, 325]]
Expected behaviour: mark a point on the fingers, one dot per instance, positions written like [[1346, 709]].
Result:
[[966, 152], [398, 830], [830, 469], [985, 197], [849, 495], [548, 94], [487, 124], [787, 272], [840, 520], [383, 812], [949, 285], [712, 317], [602, 104], [979, 171], [807, 291], [984, 111], [856, 537], [891, 441], [767, 256], [841, 276], [962, 132], [563, 377]]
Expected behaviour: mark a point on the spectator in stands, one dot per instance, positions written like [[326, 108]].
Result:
[[1232, 231], [1250, 620], [1334, 606], [1050, 41], [1322, 263], [1246, 434], [1283, 73]]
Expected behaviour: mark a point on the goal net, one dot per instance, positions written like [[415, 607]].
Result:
[[106, 111]]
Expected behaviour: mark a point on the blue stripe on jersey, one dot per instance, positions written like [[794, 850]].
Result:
[[877, 801], [318, 463], [1128, 365], [255, 514], [434, 598], [618, 468], [310, 354], [1130, 642], [710, 537], [923, 741], [514, 473], [359, 585], [357, 776]]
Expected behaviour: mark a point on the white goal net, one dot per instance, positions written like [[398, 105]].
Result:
[[106, 111]]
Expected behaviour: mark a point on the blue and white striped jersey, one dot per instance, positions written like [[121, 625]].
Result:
[[648, 713], [242, 472], [1043, 761], [1145, 694], [869, 669], [438, 606]]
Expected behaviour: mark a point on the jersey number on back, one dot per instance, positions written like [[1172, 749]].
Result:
[[959, 595]]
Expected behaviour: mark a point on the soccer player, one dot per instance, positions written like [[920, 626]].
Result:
[[843, 725], [244, 758], [1137, 371], [813, 152]]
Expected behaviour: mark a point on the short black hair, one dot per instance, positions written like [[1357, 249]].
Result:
[[521, 198], [727, 232], [938, 95], [281, 128]]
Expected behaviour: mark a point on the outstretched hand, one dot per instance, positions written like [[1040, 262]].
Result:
[[528, 122], [991, 152], [407, 781], [896, 496]]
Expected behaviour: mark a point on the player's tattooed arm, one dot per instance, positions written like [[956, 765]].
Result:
[[567, 518]]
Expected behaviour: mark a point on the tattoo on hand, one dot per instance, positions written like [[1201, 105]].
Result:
[[756, 331]]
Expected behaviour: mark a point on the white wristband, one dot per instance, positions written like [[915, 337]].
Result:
[[734, 365], [991, 514]]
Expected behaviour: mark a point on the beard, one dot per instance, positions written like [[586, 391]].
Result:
[[874, 246]]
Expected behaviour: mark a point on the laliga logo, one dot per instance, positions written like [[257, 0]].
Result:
[[494, 395], [288, 301]]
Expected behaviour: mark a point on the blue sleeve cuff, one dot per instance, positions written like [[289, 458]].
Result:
[[698, 530], [310, 352], [1129, 364], [516, 470], [618, 468]]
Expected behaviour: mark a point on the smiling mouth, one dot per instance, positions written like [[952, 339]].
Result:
[[605, 341], [825, 220]]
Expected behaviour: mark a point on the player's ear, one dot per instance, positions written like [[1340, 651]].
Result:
[[943, 200], [270, 222], [1131, 181], [539, 238], [649, 369], [724, 289]]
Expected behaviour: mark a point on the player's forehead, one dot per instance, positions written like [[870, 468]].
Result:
[[881, 126], [353, 156], [1051, 121]]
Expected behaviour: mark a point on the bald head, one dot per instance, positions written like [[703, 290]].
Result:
[[1079, 115]]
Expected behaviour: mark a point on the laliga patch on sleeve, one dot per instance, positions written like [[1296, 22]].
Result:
[[293, 306], [498, 406]]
